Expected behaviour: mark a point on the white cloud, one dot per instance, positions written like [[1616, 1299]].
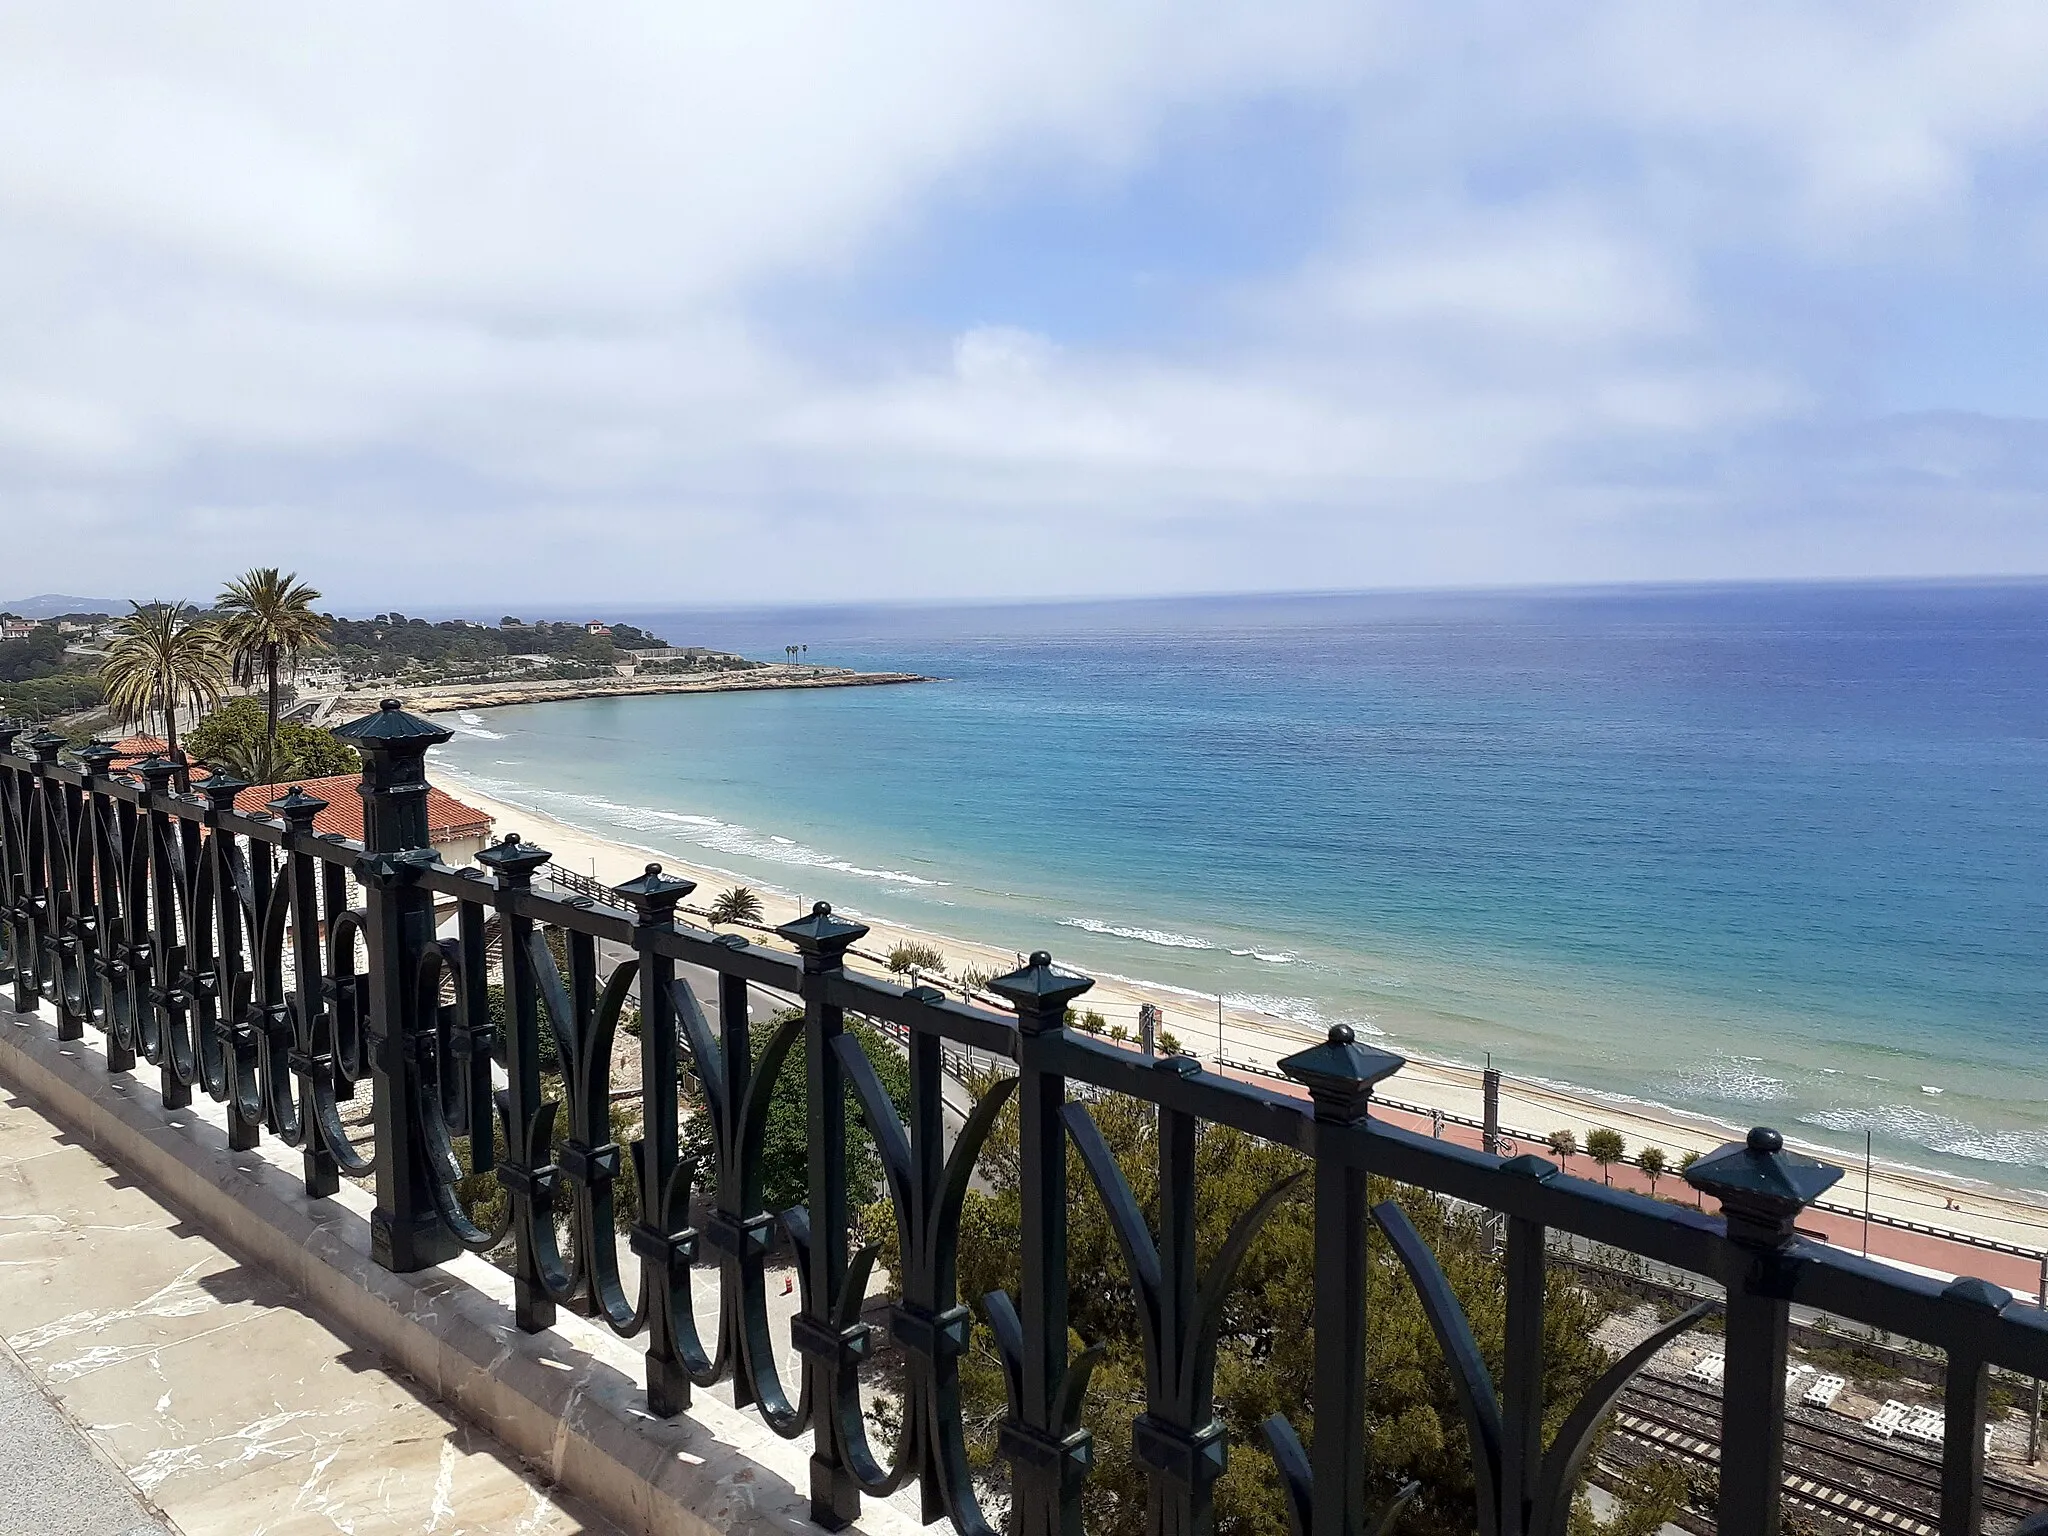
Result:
[[1513, 278], [478, 278]]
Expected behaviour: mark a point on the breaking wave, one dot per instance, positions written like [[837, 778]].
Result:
[[1143, 935], [1730, 1079], [1298, 1010], [705, 831], [1938, 1133]]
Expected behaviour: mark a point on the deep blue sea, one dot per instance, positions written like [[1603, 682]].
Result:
[[1764, 853]]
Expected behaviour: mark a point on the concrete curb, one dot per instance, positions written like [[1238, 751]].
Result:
[[569, 1401]]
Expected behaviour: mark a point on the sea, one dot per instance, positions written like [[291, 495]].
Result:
[[1770, 854]]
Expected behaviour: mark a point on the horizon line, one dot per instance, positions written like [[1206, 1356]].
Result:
[[1055, 600]]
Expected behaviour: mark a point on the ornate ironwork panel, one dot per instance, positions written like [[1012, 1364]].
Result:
[[229, 951]]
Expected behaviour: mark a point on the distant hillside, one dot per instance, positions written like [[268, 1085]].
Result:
[[50, 604]]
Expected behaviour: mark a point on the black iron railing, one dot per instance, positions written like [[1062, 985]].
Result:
[[226, 950]]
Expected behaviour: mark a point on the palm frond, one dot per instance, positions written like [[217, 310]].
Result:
[[269, 607], [270, 624], [164, 655]]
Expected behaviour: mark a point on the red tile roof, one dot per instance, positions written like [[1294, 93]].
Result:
[[447, 817], [130, 750]]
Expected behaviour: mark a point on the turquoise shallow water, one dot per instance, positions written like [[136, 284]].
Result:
[[1764, 854]]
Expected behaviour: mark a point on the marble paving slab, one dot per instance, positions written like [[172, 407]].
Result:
[[227, 1408]]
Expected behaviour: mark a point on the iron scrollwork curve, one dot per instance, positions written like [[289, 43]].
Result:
[[737, 1093], [1557, 1474], [927, 1196]]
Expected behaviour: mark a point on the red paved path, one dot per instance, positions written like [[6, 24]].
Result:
[[2019, 1275]]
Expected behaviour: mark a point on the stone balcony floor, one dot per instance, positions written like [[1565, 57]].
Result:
[[229, 1410]]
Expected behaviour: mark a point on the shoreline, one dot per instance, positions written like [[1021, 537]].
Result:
[[775, 676], [1255, 1040]]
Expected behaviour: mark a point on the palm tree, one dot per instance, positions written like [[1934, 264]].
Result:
[[1655, 1163], [270, 625], [738, 905], [1606, 1148], [164, 655]]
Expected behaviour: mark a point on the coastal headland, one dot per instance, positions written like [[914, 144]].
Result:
[[439, 698], [1252, 1042]]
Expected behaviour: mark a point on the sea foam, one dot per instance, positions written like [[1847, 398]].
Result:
[[1728, 1079], [467, 724], [1158, 936], [705, 831], [1938, 1133]]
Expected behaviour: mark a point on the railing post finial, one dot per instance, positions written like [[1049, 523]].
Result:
[[1326, 1492], [1762, 1189], [830, 1350], [406, 1231], [1048, 1450]]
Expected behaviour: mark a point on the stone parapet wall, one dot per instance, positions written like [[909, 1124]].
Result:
[[568, 1401]]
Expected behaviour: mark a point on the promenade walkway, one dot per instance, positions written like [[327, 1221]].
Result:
[[152, 1382], [1914, 1250]]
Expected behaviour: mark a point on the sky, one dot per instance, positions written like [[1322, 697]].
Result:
[[648, 304]]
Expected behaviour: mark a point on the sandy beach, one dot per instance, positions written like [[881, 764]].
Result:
[[1256, 1041], [440, 698]]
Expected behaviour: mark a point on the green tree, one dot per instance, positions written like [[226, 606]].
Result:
[[1685, 1161], [786, 1143], [737, 905], [1646, 1498], [1606, 1148], [41, 698], [270, 625], [39, 653], [1565, 1144], [1266, 1357], [164, 656], [1655, 1163], [234, 737]]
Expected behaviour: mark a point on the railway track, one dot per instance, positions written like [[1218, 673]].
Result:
[[1869, 1511], [1836, 1448], [1678, 1417]]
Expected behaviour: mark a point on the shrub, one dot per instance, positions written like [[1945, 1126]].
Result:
[[914, 955], [236, 734]]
